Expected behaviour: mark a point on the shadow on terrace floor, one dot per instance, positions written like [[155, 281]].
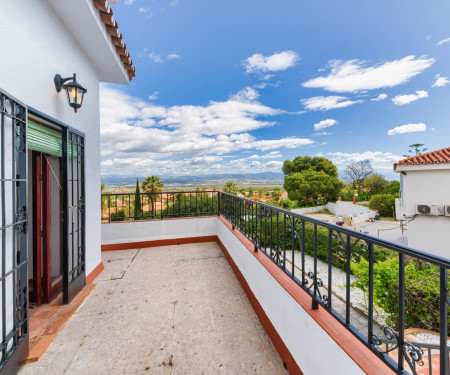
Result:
[[165, 310]]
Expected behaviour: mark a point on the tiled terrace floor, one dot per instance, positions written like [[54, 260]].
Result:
[[165, 310]]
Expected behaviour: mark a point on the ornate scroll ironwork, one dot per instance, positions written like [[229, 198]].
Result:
[[355, 256], [411, 353]]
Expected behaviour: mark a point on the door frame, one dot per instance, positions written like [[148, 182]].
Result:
[[45, 289], [71, 285]]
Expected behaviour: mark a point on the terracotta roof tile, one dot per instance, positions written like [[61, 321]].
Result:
[[112, 28], [433, 157]]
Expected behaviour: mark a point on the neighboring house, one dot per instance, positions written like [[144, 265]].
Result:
[[50, 153], [425, 200]]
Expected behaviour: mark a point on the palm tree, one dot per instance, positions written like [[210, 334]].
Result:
[[152, 184], [230, 187]]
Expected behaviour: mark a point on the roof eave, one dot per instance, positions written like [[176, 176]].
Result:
[[93, 38]]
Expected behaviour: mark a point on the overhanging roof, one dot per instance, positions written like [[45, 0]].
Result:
[[92, 25]]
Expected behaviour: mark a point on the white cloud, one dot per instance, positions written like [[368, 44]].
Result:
[[324, 124], [409, 128], [440, 81], [174, 3], [248, 94], [270, 155], [258, 63], [442, 42], [173, 56], [318, 134], [153, 96], [379, 98], [155, 58], [139, 137], [409, 98], [129, 2], [382, 161], [274, 164], [158, 59], [144, 9], [325, 103], [351, 76]]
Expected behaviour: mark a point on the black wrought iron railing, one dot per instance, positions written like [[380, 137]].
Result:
[[160, 205], [394, 299], [375, 288]]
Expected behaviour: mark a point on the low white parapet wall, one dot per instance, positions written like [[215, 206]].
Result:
[[308, 343], [312, 348], [154, 230], [341, 209]]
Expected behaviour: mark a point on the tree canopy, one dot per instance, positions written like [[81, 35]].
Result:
[[376, 183], [230, 187], [356, 172], [306, 163], [152, 184], [137, 201], [415, 149], [311, 185]]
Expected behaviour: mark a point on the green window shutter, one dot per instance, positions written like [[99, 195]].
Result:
[[43, 139]]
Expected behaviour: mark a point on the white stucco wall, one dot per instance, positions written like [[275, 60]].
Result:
[[36, 45], [427, 186], [152, 230], [304, 338]]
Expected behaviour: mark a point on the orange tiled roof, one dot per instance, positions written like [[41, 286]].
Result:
[[433, 157], [112, 28]]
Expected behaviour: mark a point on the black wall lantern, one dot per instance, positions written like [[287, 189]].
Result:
[[74, 90]]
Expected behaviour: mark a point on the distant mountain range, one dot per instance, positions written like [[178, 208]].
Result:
[[256, 178]]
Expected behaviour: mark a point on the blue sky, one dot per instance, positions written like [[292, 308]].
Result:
[[240, 86]]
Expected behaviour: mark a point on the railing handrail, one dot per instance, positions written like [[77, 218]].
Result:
[[435, 259], [164, 192]]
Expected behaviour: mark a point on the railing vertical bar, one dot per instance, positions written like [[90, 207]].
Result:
[[430, 368], [109, 208], [302, 250], [370, 296], [271, 233], [401, 307], [444, 366], [277, 242], [330, 265], [315, 305], [284, 240], [347, 282]]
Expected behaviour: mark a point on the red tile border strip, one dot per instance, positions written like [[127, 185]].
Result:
[[154, 243], [49, 328], [94, 273]]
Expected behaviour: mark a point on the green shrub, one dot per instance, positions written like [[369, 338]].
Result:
[[421, 291], [287, 204], [393, 187], [118, 216], [383, 203], [347, 195]]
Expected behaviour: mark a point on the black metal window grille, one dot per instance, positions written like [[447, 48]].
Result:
[[74, 215], [13, 187]]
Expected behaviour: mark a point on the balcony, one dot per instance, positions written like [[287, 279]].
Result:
[[167, 301]]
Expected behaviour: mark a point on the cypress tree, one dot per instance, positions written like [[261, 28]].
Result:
[[137, 201]]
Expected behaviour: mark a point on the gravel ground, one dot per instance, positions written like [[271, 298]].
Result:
[[358, 298], [427, 338]]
